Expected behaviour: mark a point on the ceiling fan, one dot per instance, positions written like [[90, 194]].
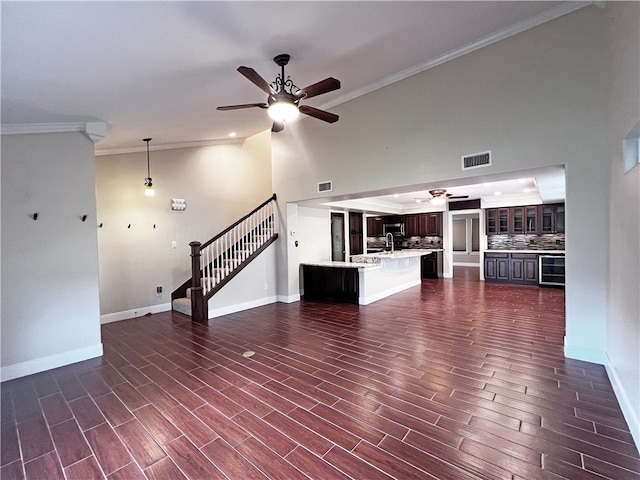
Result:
[[439, 196], [283, 101]]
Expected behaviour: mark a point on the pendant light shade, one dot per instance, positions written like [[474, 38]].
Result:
[[283, 110], [148, 185]]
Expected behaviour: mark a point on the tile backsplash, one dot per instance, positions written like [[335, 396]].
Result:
[[549, 241], [407, 242]]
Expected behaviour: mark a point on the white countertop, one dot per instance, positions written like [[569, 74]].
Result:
[[329, 263], [405, 253]]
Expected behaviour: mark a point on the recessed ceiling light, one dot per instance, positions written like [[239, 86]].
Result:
[[396, 195], [232, 134], [527, 190], [498, 193], [522, 180], [418, 200]]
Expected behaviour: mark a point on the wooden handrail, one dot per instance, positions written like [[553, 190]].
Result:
[[266, 202], [200, 293]]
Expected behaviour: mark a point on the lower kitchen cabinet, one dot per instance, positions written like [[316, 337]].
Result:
[[520, 268], [330, 283], [496, 267], [429, 267]]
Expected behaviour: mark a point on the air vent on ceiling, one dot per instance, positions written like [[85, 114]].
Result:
[[476, 160], [325, 186]]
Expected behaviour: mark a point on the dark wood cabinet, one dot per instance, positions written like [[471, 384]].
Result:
[[374, 226], [521, 268], [330, 283], [356, 234], [498, 220], [424, 225], [523, 220], [528, 219], [429, 266], [496, 266], [434, 224], [551, 218]]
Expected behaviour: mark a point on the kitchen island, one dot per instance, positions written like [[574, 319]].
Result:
[[364, 280]]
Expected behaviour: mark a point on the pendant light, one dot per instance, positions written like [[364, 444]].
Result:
[[148, 186]]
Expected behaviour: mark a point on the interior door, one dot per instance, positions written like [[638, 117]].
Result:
[[337, 237]]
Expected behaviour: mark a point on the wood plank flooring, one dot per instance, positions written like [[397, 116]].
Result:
[[452, 380]]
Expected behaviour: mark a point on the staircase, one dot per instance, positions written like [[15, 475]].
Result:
[[217, 261]]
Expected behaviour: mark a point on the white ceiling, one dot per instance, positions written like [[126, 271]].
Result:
[[159, 69]]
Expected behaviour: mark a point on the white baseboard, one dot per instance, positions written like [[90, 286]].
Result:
[[38, 365], [218, 312], [289, 298], [628, 410], [136, 312]]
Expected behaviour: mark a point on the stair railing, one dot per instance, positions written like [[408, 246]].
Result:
[[218, 260]]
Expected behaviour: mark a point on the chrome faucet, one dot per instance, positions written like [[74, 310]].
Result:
[[387, 240]]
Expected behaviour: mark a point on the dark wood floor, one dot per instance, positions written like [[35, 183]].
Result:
[[452, 380]]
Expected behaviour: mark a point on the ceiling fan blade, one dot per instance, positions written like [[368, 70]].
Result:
[[277, 127], [244, 105], [324, 86], [320, 114], [257, 80]]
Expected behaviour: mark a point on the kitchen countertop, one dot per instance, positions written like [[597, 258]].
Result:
[[329, 263]]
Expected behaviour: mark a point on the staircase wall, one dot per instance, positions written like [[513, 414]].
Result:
[[254, 286], [220, 184]]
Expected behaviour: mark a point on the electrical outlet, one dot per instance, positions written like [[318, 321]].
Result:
[[158, 291], [266, 286]]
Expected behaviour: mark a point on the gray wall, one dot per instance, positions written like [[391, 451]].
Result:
[[535, 99], [50, 306], [623, 326], [220, 185]]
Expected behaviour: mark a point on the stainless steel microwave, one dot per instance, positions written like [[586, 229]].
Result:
[[397, 229]]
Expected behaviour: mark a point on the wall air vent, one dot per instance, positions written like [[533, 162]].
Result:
[[476, 160], [325, 186]]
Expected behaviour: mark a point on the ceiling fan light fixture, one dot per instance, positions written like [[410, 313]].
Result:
[[283, 110], [438, 196]]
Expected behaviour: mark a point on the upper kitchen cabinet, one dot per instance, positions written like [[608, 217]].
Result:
[[434, 224], [356, 244], [529, 219], [424, 224], [552, 218], [498, 220], [374, 226], [524, 220]]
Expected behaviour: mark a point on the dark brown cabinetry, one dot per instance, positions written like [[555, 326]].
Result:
[[521, 268], [552, 218], [423, 225], [498, 220], [355, 234], [330, 283], [429, 266], [374, 226], [527, 219]]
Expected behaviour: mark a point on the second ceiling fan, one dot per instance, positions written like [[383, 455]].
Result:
[[283, 101]]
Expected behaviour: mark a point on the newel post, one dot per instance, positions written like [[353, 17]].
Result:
[[199, 309]]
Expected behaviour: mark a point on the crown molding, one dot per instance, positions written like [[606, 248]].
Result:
[[169, 146], [519, 27], [95, 131]]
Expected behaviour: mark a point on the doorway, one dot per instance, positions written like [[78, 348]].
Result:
[[338, 249], [465, 241]]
